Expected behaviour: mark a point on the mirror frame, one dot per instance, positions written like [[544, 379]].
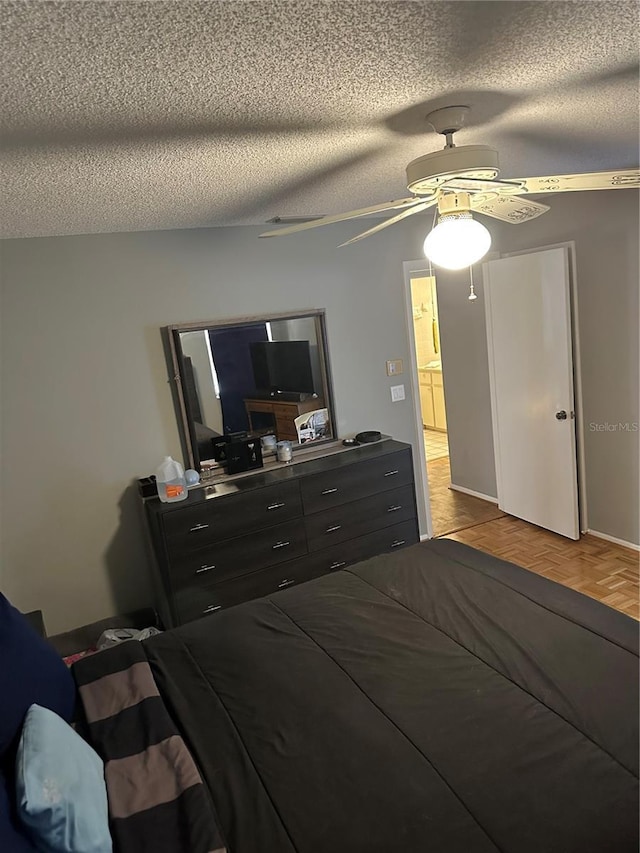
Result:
[[174, 355]]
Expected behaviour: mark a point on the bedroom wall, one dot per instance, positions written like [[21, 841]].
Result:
[[86, 405], [465, 367], [605, 227]]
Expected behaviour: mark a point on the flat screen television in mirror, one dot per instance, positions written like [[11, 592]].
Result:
[[260, 375], [282, 367]]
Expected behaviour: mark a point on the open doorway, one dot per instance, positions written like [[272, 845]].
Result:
[[451, 509]]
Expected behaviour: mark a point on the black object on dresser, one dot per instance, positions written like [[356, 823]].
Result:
[[251, 536]]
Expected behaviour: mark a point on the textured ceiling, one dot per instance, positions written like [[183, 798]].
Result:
[[124, 116]]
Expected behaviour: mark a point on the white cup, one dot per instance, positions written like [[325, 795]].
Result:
[[284, 451], [268, 443]]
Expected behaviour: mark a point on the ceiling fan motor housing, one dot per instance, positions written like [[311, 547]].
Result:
[[454, 205], [427, 173]]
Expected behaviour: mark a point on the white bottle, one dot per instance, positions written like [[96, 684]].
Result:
[[170, 481]]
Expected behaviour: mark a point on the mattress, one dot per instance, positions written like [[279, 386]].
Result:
[[431, 699]]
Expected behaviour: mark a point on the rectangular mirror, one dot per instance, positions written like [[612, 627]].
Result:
[[260, 375]]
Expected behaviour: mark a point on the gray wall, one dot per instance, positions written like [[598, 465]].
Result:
[[86, 406], [465, 369], [604, 226]]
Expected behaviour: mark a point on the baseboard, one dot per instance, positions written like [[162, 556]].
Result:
[[424, 537], [473, 494], [613, 539]]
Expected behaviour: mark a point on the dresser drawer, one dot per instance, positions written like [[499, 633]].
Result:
[[324, 491], [348, 521], [282, 410], [196, 601], [286, 430], [355, 550], [273, 529], [226, 517], [259, 406], [234, 557]]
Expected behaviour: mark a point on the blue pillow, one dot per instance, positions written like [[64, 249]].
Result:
[[12, 835], [30, 671], [60, 787]]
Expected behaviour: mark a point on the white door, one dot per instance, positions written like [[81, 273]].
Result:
[[527, 300]]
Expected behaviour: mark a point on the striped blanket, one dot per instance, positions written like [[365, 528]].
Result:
[[157, 800]]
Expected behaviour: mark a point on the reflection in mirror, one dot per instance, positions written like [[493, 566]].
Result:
[[261, 376]]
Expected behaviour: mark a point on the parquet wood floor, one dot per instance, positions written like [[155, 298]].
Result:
[[601, 569], [452, 510]]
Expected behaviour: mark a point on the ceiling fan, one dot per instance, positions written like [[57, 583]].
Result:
[[462, 180]]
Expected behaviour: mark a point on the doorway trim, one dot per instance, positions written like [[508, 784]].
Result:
[[410, 268], [570, 246]]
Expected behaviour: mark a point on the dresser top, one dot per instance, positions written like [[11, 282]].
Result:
[[239, 484]]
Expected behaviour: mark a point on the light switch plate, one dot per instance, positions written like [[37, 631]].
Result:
[[394, 367], [397, 393]]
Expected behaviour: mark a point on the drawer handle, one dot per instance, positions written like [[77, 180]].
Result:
[[333, 528], [394, 508], [286, 582], [328, 492], [204, 569], [280, 545], [391, 473], [397, 543], [211, 608], [198, 527], [275, 506], [337, 565]]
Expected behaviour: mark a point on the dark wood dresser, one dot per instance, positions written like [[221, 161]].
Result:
[[251, 536]]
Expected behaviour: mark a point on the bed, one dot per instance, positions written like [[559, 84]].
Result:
[[431, 699]]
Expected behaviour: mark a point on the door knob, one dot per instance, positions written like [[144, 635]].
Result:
[[561, 415]]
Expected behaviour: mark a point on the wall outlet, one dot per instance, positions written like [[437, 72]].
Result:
[[397, 393], [394, 367]]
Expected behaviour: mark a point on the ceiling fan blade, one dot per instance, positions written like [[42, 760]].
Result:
[[610, 180], [341, 217], [507, 208], [417, 208]]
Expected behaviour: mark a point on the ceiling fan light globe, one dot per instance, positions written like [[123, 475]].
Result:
[[457, 243]]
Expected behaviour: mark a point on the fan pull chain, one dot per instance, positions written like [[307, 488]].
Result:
[[472, 293]]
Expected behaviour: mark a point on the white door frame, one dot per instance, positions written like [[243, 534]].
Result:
[[577, 373], [410, 268]]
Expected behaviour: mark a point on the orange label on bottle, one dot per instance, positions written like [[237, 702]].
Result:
[[174, 491]]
